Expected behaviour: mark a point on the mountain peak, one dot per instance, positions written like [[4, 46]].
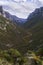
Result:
[[38, 11], [35, 17]]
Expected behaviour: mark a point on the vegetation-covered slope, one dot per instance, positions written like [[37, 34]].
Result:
[[13, 36], [35, 25], [14, 57]]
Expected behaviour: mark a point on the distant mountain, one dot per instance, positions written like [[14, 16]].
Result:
[[14, 18], [11, 17]]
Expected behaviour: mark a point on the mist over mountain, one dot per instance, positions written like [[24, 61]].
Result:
[[18, 7], [13, 18]]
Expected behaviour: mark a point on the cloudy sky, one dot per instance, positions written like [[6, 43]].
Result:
[[21, 8]]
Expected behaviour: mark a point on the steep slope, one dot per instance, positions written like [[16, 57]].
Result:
[[13, 36], [7, 29], [35, 25], [34, 18]]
